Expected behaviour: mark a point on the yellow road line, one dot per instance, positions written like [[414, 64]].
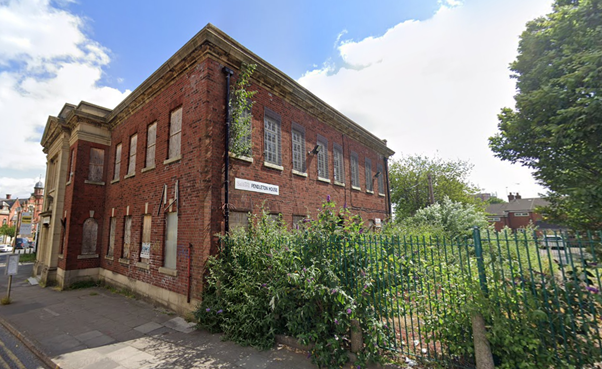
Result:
[[4, 363], [12, 356]]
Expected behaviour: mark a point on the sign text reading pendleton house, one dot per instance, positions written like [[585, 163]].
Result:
[[246, 185]]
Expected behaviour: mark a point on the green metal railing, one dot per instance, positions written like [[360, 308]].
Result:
[[543, 289]]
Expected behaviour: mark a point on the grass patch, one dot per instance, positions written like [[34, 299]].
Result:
[[5, 300], [27, 258], [121, 291], [83, 284], [93, 293]]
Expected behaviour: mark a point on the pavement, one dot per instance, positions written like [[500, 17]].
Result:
[[94, 328]]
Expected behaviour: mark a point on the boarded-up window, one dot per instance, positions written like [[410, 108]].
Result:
[[97, 163], [117, 162], [90, 237], [298, 221], [369, 179], [146, 238], [132, 161], [112, 228], [175, 134], [322, 157], [171, 240], [239, 220], [339, 171], [355, 170], [298, 138], [127, 237], [272, 148], [381, 179], [151, 140]]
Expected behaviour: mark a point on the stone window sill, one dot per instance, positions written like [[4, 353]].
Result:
[[124, 261], [115, 181], [325, 180], [148, 169], [172, 160], [91, 256], [381, 194], [94, 183], [248, 159], [60, 256], [167, 271], [356, 188], [301, 174], [68, 183], [129, 176], [273, 166], [337, 183], [109, 258], [370, 192], [143, 265]]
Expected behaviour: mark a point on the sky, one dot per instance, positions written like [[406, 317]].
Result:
[[430, 76]]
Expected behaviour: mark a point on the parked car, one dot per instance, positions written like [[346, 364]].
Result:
[[563, 252], [22, 243], [5, 248]]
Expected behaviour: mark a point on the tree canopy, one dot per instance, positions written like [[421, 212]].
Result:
[[410, 184], [556, 126]]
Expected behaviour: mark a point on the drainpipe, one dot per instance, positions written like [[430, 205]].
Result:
[[386, 162], [228, 72]]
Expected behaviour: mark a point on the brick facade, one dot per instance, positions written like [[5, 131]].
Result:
[[192, 184]]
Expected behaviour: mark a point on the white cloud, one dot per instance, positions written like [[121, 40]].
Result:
[[435, 87], [45, 61]]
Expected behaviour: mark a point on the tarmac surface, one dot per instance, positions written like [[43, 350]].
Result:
[[94, 328]]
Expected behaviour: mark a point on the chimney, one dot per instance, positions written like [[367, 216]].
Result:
[[510, 197], [8, 196], [517, 196]]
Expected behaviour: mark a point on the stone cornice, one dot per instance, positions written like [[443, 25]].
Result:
[[211, 41]]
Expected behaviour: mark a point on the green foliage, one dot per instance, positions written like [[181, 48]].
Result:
[[241, 105], [7, 230], [410, 186], [556, 127], [495, 200], [454, 219], [271, 281]]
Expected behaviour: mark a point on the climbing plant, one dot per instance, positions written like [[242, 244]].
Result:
[[240, 107]]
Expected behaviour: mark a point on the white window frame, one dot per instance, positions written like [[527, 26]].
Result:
[[368, 172], [175, 135], [355, 170], [151, 145], [322, 143], [339, 164], [117, 167], [272, 139], [132, 156], [171, 241], [298, 148]]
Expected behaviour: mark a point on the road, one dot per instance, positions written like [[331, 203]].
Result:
[[14, 355]]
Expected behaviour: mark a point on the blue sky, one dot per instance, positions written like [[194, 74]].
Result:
[[430, 76]]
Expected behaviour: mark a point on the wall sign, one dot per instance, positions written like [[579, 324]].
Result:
[[145, 251], [246, 185]]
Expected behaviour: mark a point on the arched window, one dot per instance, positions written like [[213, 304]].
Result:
[[90, 237]]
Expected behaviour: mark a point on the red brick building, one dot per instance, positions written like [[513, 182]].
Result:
[[518, 213], [135, 195]]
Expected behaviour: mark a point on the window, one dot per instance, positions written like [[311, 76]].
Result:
[[117, 162], [521, 214], [97, 163], [369, 179], [175, 134], [244, 139], [72, 165], [239, 220], [151, 140], [90, 230], [272, 138], [146, 238], [298, 139], [494, 219], [171, 239], [132, 160], [338, 162], [112, 228], [127, 237], [355, 171], [381, 179], [322, 157]]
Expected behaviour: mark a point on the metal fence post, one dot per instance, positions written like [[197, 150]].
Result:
[[478, 248]]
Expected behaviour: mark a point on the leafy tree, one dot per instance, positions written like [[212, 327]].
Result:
[[410, 185], [495, 200], [455, 219], [556, 126], [7, 230]]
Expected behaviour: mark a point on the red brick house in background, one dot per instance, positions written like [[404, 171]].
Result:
[[9, 206], [518, 213], [135, 195]]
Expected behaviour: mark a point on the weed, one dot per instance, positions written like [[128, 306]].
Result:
[[5, 300]]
